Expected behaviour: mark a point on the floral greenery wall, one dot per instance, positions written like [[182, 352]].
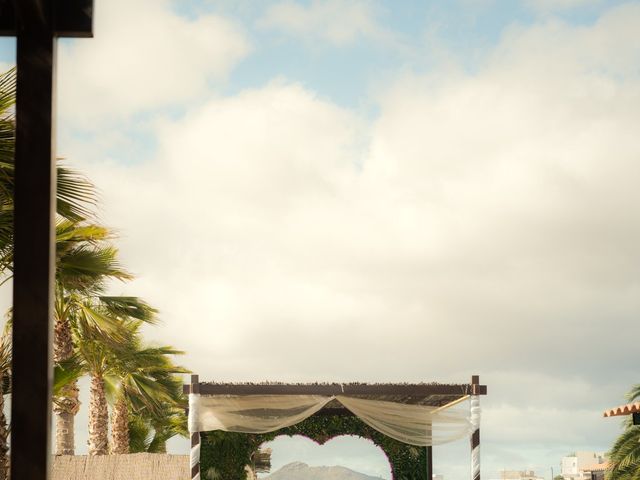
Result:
[[224, 454]]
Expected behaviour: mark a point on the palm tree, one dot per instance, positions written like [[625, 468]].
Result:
[[5, 388], [102, 354], [624, 457], [146, 383], [150, 434], [75, 195], [75, 200], [85, 261], [7, 148]]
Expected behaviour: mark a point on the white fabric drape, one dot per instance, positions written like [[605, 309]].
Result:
[[250, 413], [418, 425], [413, 424]]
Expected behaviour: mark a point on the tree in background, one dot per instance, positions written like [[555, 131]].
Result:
[[5, 389], [75, 195], [101, 356], [148, 386], [85, 262], [75, 199], [89, 325], [624, 457]]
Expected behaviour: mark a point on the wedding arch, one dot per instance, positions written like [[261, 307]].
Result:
[[404, 420]]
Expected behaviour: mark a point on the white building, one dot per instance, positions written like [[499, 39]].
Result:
[[517, 475], [573, 466]]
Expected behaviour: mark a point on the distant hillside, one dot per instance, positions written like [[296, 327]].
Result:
[[302, 471]]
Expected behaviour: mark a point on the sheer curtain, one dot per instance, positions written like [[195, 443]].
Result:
[[419, 425]]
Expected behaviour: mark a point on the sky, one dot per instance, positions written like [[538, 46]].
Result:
[[378, 191]]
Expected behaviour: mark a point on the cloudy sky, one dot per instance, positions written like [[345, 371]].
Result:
[[378, 190]]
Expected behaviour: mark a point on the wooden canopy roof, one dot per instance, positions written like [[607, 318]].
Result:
[[432, 394]]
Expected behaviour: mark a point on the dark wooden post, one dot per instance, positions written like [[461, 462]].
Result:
[[36, 23], [475, 436], [34, 257], [429, 463], [195, 436]]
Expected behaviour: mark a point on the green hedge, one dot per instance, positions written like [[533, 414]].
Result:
[[224, 454]]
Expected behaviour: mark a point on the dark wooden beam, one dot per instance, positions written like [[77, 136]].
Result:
[[339, 389], [34, 259], [70, 18], [7, 18]]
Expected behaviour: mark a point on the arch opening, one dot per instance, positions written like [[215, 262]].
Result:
[[227, 455], [335, 456]]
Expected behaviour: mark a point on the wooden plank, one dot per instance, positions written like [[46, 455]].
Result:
[[7, 18], [338, 389], [34, 257], [71, 18]]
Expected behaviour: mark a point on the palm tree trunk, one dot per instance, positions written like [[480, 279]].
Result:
[[4, 444], [120, 427], [98, 418], [65, 407], [67, 404]]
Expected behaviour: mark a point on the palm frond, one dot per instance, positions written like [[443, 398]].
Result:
[[85, 267], [624, 457], [76, 196], [634, 393], [66, 372], [7, 92], [129, 308], [5, 361], [140, 434]]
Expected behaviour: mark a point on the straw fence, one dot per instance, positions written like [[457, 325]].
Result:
[[136, 466]]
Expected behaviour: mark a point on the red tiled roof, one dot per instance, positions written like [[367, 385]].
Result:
[[627, 409], [596, 468]]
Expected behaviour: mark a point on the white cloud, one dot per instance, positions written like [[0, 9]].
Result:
[[548, 6], [144, 56], [340, 22], [483, 223], [512, 191]]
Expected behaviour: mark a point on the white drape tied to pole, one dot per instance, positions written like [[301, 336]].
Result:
[[194, 459], [194, 455], [418, 425], [474, 417]]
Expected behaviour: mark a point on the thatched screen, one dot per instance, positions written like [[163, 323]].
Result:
[[137, 466]]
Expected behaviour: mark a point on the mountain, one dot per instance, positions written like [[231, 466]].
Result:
[[302, 471]]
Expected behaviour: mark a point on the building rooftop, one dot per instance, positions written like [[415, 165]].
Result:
[[627, 409]]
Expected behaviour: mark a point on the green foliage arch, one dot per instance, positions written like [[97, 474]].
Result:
[[224, 455]]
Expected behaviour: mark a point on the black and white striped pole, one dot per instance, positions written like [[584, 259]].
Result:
[[194, 454], [475, 422]]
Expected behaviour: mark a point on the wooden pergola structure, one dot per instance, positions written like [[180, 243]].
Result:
[[37, 24], [428, 394]]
